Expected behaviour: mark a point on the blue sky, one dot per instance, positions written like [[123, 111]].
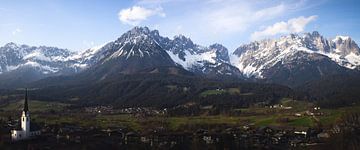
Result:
[[82, 24]]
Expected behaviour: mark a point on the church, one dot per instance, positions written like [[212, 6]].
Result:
[[26, 129]]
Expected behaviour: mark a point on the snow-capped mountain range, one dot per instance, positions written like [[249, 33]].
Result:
[[141, 48], [255, 58], [141, 43], [48, 60]]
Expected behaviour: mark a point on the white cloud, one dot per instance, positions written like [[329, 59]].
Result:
[[16, 31], [237, 17], [153, 1], [207, 21], [294, 25], [137, 14]]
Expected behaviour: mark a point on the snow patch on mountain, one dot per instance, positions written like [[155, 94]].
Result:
[[353, 59], [192, 60], [43, 68], [339, 37], [47, 60], [252, 59], [141, 43], [37, 55]]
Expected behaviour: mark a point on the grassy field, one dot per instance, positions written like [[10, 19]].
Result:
[[177, 122], [305, 121], [212, 92], [231, 91], [34, 106], [296, 105], [333, 115], [249, 116], [173, 123]]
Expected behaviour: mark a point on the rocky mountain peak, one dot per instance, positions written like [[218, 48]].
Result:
[[345, 45], [218, 47], [139, 30], [256, 57], [339, 39], [221, 52], [183, 40], [246, 47], [155, 33], [12, 45], [181, 37], [315, 34], [141, 47]]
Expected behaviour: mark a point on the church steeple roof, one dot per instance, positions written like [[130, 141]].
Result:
[[26, 107]]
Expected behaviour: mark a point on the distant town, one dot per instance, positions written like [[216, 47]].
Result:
[[63, 126]]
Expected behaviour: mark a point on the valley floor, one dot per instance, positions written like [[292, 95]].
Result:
[[288, 124]]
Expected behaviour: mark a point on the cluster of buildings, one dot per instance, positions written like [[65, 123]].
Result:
[[130, 110], [234, 138], [246, 137]]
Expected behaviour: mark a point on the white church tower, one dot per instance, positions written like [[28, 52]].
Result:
[[25, 132], [25, 117]]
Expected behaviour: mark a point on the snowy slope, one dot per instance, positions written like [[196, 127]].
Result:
[[47, 60], [254, 58], [141, 42], [143, 47]]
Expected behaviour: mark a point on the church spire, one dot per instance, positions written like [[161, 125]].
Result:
[[26, 107]]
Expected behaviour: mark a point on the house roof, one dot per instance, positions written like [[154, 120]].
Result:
[[34, 127]]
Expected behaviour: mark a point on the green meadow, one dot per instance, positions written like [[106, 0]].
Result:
[[51, 113]]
